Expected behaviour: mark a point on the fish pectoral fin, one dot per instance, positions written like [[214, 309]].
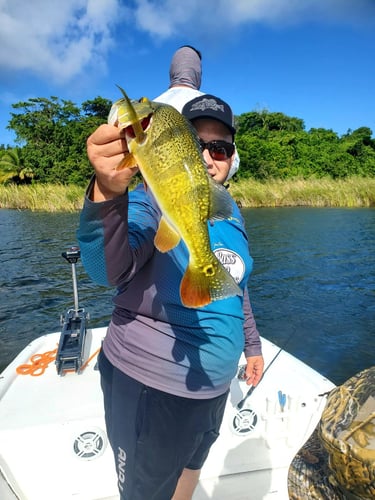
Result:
[[127, 162], [200, 286], [166, 237], [221, 206]]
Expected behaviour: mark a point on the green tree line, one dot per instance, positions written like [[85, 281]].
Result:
[[51, 145], [278, 146], [51, 136]]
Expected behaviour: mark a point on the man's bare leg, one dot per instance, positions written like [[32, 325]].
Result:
[[186, 484]]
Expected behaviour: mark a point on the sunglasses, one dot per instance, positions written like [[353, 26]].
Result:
[[219, 150]]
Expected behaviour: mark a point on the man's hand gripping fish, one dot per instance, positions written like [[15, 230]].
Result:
[[163, 144]]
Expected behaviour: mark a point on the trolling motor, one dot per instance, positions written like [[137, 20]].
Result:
[[69, 355]]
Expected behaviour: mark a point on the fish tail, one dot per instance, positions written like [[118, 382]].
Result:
[[200, 286]]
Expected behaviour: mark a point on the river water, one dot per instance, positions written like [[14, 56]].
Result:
[[312, 288]]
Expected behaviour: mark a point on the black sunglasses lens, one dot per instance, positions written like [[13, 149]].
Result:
[[219, 150]]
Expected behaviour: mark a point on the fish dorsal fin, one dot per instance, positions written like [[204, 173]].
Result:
[[221, 203], [166, 237]]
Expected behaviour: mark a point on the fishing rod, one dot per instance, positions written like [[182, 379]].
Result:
[[240, 404], [241, 374], [245, 419]]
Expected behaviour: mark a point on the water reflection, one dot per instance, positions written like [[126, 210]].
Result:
[[312, 289], [35, 281], [313, 284]]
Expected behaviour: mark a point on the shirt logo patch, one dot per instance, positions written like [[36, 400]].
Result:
[[232, 262]]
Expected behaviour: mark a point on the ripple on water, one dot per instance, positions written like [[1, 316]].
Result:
[[312, 289]]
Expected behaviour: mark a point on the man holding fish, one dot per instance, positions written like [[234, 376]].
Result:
[[177, 251]]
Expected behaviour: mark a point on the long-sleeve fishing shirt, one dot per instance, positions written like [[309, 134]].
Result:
[[152, 337]]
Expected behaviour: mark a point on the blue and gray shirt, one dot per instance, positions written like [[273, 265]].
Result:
[[152, 337]]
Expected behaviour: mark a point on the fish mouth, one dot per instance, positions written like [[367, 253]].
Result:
[[145, 124]]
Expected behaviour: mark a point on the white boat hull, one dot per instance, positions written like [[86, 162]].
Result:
[[53, 443]]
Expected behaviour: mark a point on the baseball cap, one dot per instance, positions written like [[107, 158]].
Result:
[[210, 106]]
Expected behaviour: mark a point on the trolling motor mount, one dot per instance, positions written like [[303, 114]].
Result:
[[70, 351]]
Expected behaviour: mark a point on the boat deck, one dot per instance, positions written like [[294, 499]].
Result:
[[53, 442]]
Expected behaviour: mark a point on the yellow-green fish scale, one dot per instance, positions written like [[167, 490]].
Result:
[[173, 168], [167, 152]]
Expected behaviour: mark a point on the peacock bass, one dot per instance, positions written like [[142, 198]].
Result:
[[164, 145]]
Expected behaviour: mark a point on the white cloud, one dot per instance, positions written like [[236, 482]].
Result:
[[165, 18], [54, 38], [60, 40]]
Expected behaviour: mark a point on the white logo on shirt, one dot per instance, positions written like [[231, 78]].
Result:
[[232, 262]]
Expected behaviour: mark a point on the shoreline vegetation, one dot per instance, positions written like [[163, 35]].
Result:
[[351, 192]]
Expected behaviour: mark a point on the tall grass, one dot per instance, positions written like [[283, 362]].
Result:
[[351, 192], [42, 197]]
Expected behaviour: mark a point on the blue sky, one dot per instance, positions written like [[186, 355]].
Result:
[[312, 59]]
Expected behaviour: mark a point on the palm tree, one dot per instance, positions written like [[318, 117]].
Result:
[[12, 168]]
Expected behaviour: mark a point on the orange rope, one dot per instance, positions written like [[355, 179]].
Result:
[[39, 363], [90, 358]]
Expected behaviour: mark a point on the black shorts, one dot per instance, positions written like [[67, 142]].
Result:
[[155, 435]]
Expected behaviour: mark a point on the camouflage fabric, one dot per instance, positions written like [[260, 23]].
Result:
[[338, 461]]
